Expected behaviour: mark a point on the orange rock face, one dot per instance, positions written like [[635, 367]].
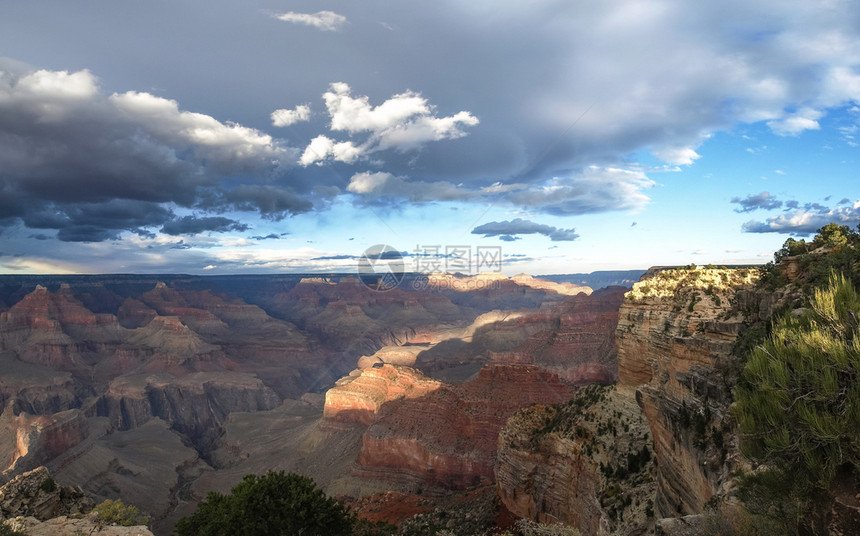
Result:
[[39, 439], [358, 398]]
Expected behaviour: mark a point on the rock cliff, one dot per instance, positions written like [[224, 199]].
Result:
[[34, 503], [586, 463], [447, 438], [675, 335], [36, 440]]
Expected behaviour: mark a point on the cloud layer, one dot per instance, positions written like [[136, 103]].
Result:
[[796, 218], [93, 166], [508, 230]]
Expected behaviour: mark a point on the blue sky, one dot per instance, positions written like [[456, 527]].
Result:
[[268, 136]]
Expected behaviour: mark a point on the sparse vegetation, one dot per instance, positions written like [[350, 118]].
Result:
[[48, 485], [7, 530], [797, 401], [531, 528], [115, 512]]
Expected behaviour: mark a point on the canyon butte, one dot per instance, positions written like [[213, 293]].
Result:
[[456, 402]]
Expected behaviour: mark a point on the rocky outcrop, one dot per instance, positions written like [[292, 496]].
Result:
[[195, 405], [675, 335], [35, 494], [74, 526], [586, 463], [34, 503], [358, 398], [31, 441], [447, 439]]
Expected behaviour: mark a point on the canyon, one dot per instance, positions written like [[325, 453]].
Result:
[[607, 410], [157, 390], [675, 336]]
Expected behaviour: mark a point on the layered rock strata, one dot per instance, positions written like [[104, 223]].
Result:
[[675, 335], [586, 463], [447, 438]]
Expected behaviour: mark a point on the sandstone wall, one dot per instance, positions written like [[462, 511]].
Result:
[[675, 335], [447, 438]]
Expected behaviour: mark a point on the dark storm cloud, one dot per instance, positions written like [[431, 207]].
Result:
[[197, 225], [762, 201], [507, 229], [270, 236], [93, 166], [95, 222], [272, 202]]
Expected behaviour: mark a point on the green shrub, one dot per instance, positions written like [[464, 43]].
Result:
[[118, 513], [48, 485], [272, 504], [798, 401], [7, 530]]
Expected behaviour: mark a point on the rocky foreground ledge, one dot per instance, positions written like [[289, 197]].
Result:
[[32, 502]]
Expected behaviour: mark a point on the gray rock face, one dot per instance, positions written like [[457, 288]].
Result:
[[73, 526], [35, 494], [195, 405]]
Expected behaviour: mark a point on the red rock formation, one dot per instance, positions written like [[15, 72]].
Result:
[[447, 438], [575, 338], [358, 398], [46, 328], [39, 439]]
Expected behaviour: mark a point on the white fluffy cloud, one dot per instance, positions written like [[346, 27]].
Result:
[[678, 156], [322, 148], [327, 21], [363, 183], [404, 122], [225, 143], [285, 118], [794, 124]]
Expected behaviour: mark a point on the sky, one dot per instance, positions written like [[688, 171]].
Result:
[[544, 137]]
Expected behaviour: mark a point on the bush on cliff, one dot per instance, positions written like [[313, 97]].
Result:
[[835, 248], [118, 513], [273, 504], [798, 401]]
